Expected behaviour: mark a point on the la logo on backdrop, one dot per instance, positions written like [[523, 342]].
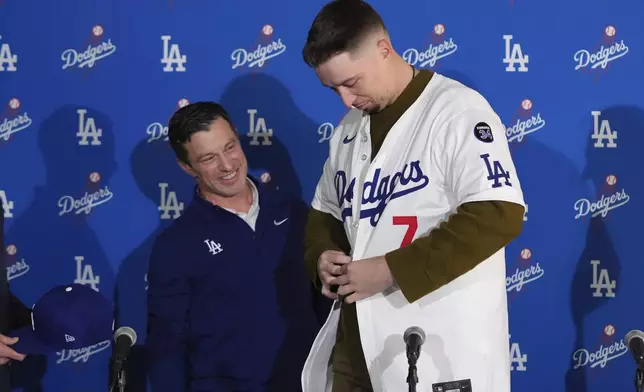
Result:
[[173, 59], [84, 275], [514, 55], [169, 205], [12, 121], [8, 59], [265, 49], [523, 272], [603, 134]]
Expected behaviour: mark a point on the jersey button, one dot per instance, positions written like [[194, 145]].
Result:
[[355, 224], [364, 157], [364, 138]]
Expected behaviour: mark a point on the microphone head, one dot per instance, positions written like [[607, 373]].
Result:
[[636, 333], [127, 331], [415, 331]]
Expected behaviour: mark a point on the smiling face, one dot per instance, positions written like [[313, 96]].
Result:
[[360, 78], [217, 161]]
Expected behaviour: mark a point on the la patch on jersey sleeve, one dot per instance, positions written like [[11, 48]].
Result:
[[477, 159]]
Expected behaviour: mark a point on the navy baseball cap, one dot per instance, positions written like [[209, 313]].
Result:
[[67, 317]]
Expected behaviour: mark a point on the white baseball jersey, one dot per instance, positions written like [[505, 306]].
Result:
[[447, 149]]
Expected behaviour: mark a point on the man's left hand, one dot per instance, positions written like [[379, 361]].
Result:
[[361, 279]]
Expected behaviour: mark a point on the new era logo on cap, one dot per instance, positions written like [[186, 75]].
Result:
[[66, 317]]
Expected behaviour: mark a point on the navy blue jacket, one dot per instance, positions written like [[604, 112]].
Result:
[[13, 313], [241, 319]]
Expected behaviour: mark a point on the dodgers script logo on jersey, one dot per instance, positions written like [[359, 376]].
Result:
[[378, 192]]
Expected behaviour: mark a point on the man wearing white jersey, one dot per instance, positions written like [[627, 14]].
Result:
[[415, 204]]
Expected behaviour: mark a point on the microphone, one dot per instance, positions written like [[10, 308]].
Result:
[[635, 342], [124, 339], [414, 338]]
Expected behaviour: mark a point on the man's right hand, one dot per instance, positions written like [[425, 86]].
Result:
[[6, 352], [330, 265]]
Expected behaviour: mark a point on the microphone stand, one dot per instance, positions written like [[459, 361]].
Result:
[[119, 380], [412, 376], [639, 380]]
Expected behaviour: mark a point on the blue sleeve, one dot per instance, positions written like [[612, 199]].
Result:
[[168, 302]]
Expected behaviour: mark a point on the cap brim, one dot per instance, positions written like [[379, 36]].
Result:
[[28, 343]]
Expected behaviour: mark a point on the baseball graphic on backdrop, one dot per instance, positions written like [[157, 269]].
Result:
[[95, 177], [526, 104], [14, 103]]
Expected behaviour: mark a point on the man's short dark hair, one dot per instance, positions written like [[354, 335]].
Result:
[[190, 119], [339, 27]]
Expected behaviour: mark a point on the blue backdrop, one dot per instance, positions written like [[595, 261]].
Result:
[[88, 178]]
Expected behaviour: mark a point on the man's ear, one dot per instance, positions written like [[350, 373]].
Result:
[[384, 48], [187, 168]]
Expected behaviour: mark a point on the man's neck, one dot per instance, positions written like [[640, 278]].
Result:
[[402, 74], [240, 202]]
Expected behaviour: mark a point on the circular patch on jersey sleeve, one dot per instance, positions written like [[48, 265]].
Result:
[[483, 132]]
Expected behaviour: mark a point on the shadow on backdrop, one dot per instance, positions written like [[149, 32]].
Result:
[[276, 109], [54, 238], [257, 103], [154, 163], [609, 239], [156, 172]]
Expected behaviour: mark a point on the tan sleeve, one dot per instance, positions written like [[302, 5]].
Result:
[[323, 232], [475, 232]]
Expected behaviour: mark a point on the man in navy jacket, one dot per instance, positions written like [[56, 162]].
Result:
[[229, 304], [13, 314]]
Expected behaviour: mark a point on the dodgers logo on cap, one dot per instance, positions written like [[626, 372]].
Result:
[[65, 318]]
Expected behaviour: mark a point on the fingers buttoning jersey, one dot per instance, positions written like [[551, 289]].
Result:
[[477, 162]]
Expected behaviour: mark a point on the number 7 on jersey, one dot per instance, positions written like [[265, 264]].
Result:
[[412, 226]]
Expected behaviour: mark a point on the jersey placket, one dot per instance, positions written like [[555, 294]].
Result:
[[362, 157]]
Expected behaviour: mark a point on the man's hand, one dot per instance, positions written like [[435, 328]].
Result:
[[6, 352], [330, 264], [361, 279]]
